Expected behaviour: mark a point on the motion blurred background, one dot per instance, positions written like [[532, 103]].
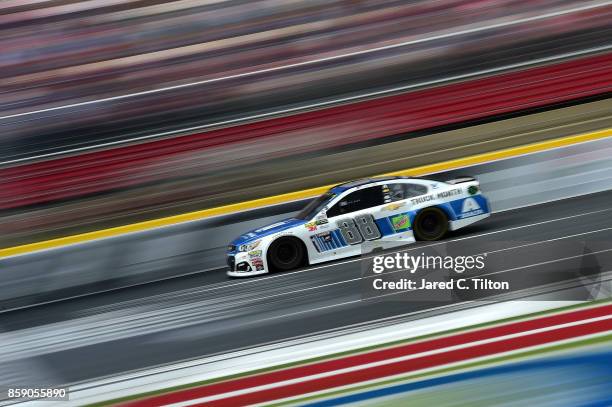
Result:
[[104, 103], [119, 111]]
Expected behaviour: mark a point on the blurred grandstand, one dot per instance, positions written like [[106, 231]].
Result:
[[93, 76], [246, 56]]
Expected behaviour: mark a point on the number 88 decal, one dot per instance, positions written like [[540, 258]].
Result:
[[355, 231]]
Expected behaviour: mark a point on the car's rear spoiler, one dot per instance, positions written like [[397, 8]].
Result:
[[461, 180]]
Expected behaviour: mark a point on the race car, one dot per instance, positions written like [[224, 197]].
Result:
[[339, 223]]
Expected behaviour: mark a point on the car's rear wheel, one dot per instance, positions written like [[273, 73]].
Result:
[[286, 254], [430, 224]]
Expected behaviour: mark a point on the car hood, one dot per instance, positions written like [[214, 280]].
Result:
[[267, 230]]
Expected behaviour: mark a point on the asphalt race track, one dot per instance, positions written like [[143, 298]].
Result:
[[205, 314]]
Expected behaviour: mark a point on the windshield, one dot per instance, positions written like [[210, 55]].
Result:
[[314, 206]]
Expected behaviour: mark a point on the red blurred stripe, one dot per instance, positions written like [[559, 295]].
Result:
[[132, 165]]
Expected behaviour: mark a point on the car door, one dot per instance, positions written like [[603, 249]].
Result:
[[352, 222]]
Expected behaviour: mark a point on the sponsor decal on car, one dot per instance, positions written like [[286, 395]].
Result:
[[449, 193], [394, 206], [311, 226], [421, 199], [470, 208], [326, 236], [327, 241], [400, 222], [255, 253], [472, 189], [257, 263], [255, 244]]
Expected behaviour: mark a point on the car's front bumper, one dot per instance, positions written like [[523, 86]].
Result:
[[245, 273], [244, 265]]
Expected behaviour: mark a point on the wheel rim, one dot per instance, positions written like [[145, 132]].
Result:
[[286, 253], [430, 224]]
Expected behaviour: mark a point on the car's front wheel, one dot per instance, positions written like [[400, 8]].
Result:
[[430, 224], [286, 254]]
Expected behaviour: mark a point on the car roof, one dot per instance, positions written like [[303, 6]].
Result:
[[338, 189]]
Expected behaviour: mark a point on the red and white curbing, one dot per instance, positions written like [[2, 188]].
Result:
[[397, 360], [442, 350]]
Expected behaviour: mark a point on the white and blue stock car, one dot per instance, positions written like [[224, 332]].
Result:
[[391, 210]]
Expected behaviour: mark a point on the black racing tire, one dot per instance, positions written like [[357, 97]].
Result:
[[286, 254], [430, 224]]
